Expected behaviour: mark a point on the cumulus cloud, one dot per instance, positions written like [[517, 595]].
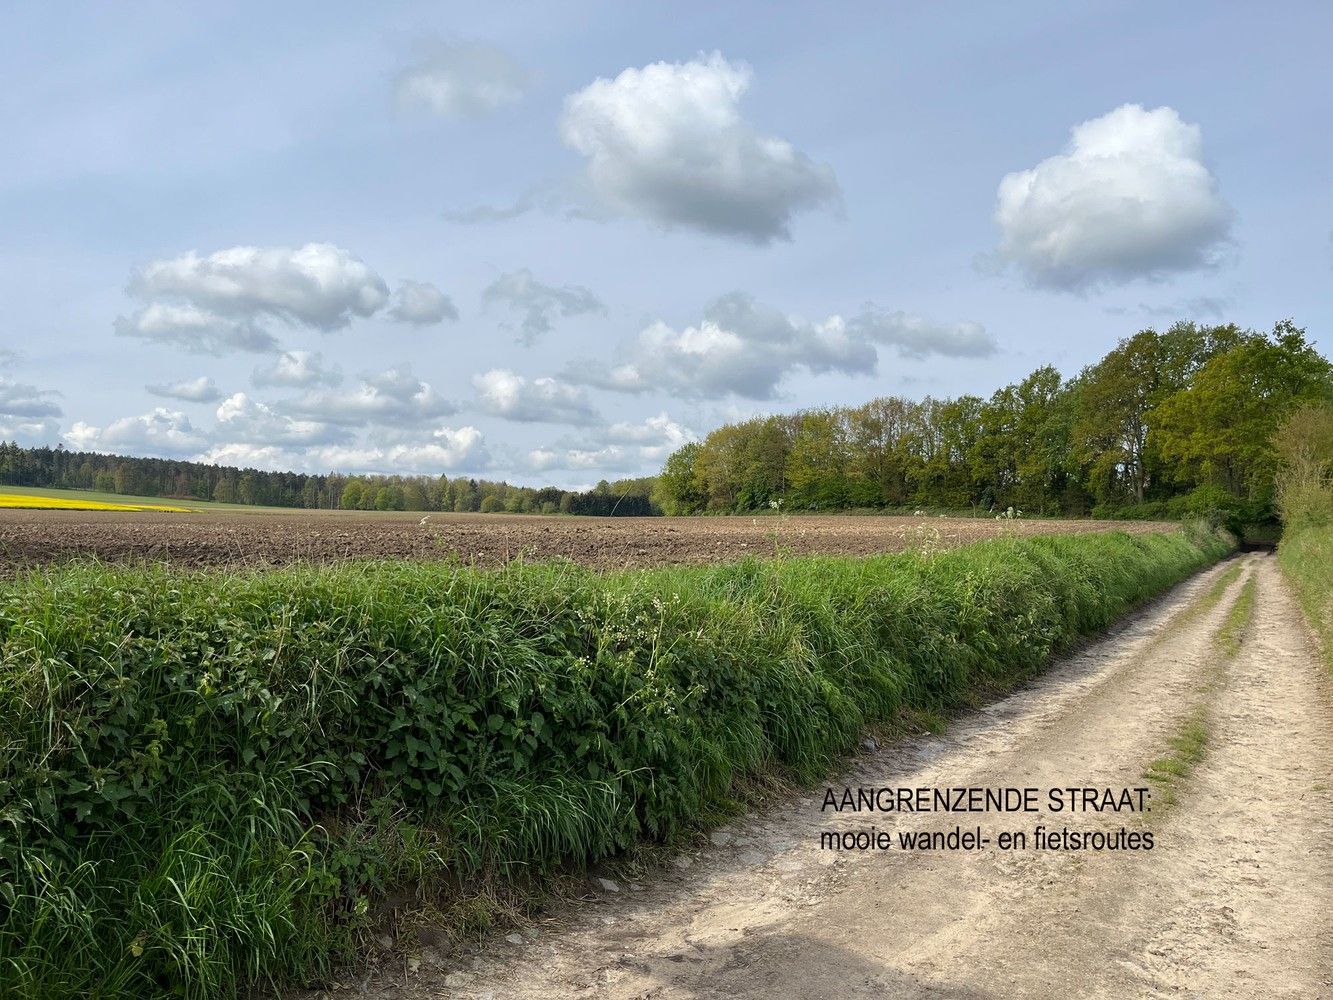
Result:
[[421, 304], [296, 370], [463, 79], [656, 437], [622, 447], [163, 432], [242, 419], [30, 433], [739, 347], [1130, 197], [504, 394], [18, 399], [27, 414], [743, 348], [445, 449], [196, 330], [917, 337], [394, 396], [191, 390], [667, 143], [539, 304], [318, 285]]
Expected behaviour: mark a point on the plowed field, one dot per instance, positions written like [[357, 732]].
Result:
[[214, 538]]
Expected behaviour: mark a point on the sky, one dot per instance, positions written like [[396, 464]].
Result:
[[551, 243]]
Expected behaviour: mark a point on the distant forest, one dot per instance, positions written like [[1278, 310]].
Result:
[[161, 477], [1166, 425]]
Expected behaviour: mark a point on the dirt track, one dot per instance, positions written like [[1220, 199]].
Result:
[[243, 538], [1235, 900]]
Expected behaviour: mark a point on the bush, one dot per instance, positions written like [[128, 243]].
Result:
[[210, 782]]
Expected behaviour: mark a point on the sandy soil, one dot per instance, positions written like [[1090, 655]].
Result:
[[1235, 900], [30, 537]]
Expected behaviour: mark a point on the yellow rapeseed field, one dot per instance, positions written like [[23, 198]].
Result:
[[26, 501]]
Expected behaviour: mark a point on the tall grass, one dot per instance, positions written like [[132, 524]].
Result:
[[1306, 557], [211, 782]]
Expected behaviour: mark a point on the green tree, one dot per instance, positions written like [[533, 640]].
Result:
[[677, 491], [1219, 429]]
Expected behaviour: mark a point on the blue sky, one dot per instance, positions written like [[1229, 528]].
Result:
[[552, 242]]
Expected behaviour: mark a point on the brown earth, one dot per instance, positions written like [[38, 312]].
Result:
[[1234, 900], [40, 537]]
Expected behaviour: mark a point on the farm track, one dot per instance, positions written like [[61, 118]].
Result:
[[243, 539], [1236, 899]]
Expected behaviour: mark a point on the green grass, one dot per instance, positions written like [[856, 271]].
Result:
[[1186, 749], [1232, 632], [1306, 558], [211, 783], [1188, 746]]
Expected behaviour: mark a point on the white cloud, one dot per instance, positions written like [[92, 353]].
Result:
[[740, 347], [162, 432], [393, 396], [18, 399], [30, 433], [27, 414], [918, 337], [504, 394], [656, 437], [191, 390], [463, 80], [242, 419], [667, 143], [296, 369], [620, 448], [421, 304], [1130, 197], [196, 330], [445, 450], [538, 303], [318, 285]]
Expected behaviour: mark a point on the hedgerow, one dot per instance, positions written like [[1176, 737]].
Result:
[[214, 782]]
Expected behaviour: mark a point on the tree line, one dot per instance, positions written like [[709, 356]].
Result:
[[1165, 425], [182, 480]]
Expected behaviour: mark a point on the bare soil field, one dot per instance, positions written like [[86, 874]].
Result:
[[205, 539], [1234, 899]]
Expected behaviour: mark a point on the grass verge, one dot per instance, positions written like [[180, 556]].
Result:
[[1306, 558], [211, 782]]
